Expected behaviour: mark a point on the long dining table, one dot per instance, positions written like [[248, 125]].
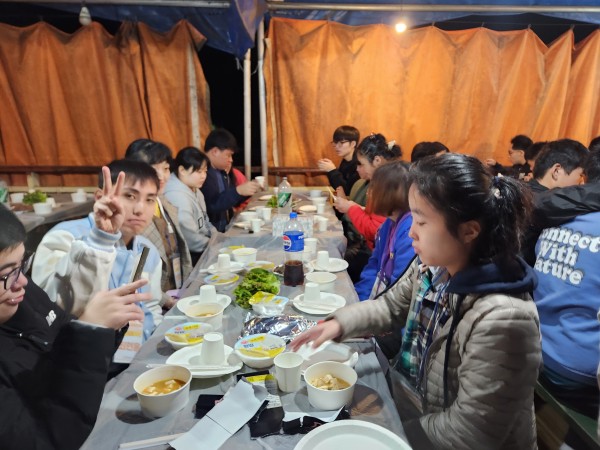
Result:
[[120, 420]]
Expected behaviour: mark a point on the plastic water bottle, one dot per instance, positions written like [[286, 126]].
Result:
[[3, 192], [293, 246], [284, 197]]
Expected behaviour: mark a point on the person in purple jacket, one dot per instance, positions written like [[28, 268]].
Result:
[[393, 252]]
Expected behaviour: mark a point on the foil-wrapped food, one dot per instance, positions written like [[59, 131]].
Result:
[[284, 326]]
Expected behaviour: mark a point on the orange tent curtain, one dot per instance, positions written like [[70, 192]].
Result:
[[472, 90], [81, 98]]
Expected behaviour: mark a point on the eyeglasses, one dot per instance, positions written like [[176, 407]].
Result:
[[11, 277], [336, 143]]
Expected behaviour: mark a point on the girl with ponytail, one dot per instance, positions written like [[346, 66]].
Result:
[[469, 358]]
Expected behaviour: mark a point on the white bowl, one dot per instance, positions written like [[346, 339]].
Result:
[[42, 208], [182, 333], [325, 280], [247, 216], [314, 193], [330, 400], [269, 344], [78, 197], [215, 318], [161, 405], [318, 200], [244, 255]]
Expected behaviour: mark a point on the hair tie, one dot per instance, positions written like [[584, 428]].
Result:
[[495, 184]]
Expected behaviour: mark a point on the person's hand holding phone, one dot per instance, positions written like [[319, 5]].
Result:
[[109, 214]]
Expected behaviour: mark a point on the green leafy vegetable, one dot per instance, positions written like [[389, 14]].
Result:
[[34, 197], [256, 280], [272, 203]]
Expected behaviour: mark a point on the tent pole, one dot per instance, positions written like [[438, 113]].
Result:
[[262, 99], [247, 121]]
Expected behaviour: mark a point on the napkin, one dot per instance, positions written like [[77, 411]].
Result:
[[225, 419]]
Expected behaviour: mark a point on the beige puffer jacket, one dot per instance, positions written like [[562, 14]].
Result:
[[493, 366]]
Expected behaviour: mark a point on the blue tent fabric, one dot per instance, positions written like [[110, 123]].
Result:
[[244, 18], [233, 29]]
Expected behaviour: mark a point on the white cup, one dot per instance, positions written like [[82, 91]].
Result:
[[223, 262], [266, 214], [17, 197], [288, 367], [208, 293], [312, 292], [310, 249], [51, 201], [255, 223], [261, 181], [321, 223], [320, 208], [212, 352], [323, 259]]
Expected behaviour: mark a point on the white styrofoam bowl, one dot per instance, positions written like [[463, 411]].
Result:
[[274, 343], [325, 280], [330, 400], [161, 405], [42, 208], [244, 255], [194, 313]]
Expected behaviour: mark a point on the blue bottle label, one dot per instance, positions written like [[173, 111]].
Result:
[[293, 241]]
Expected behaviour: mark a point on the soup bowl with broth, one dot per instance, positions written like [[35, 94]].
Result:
[[163, 390], [330, 384]]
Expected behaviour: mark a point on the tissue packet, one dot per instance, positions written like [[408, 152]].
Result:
[[267, 420]]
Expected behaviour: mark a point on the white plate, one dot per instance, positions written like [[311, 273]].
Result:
[[221, 279], [264, 198], [267, 265], [234, 267], [329, 303], [184, 303], [351, 435], [335, 265], [190, 356], [328, 351], [307, 208]]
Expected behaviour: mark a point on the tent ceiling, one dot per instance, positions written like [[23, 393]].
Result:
[[231, 26]]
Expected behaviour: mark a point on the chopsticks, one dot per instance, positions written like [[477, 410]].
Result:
[[145, 443], [331, 194]]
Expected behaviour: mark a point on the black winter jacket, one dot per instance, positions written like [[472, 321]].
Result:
[[52, 375]]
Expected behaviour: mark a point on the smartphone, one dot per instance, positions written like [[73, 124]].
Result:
[[137, 274]]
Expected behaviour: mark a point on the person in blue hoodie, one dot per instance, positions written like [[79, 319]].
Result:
[[568, 300], [393, 252], [470, 354]]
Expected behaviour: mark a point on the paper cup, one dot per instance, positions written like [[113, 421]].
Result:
[[266, 214], [17, 197], [312, 292], [212, 352], [208, 293], [323, 259], [261, 181], [321, 209], [223, 262], [322, 223], [310, 249], [255, 223], [287, 371]]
